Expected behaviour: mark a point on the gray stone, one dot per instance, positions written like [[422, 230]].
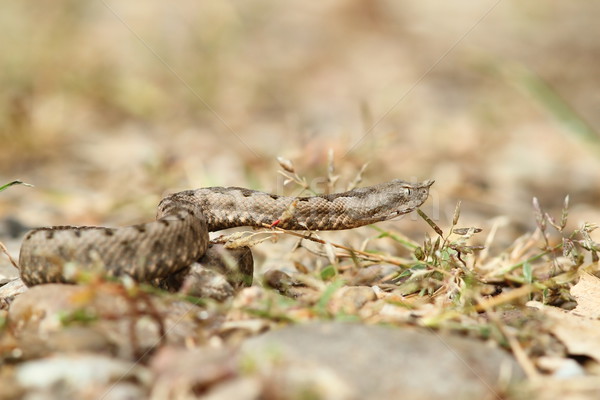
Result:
[[378, 362]]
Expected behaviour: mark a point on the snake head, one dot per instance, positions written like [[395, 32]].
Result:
[[410, 196], [391, 199]]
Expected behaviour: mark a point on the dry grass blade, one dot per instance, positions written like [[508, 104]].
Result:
[[565, 213], [505, 298], [351, 251], [358, 178], [540, 219], [520, 354], [5, 251], [456, 215], [430, 222], [331, 177], [244, 239]]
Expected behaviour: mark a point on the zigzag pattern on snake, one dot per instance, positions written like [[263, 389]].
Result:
[[179, 236]]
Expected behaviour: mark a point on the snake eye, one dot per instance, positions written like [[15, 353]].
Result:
[[408, 191]]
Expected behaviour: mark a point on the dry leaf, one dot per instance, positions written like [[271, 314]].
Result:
[[587, 294], [578, 334], [330, 251]]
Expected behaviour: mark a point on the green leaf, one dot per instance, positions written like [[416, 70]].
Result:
[[328, 272]]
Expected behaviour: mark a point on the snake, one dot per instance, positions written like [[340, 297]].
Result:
[[153, 251]]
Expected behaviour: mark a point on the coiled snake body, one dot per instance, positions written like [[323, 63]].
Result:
[[156, 250]]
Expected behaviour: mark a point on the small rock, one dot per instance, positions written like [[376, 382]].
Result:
[[350, 299], [291, 285], [236, 265], [208, 284], [49, 311], [377, 362], [561, 367], [238, 389], [180, 371], [371, 275], [75, 376]]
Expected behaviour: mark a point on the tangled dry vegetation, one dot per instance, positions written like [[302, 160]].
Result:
[[534, 297]]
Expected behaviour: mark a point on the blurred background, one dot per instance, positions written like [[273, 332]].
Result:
[[106, 106]]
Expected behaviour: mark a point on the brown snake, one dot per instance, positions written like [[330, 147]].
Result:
[[156, 250]]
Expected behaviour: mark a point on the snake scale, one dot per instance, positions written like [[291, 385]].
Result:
[[180, 235]]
